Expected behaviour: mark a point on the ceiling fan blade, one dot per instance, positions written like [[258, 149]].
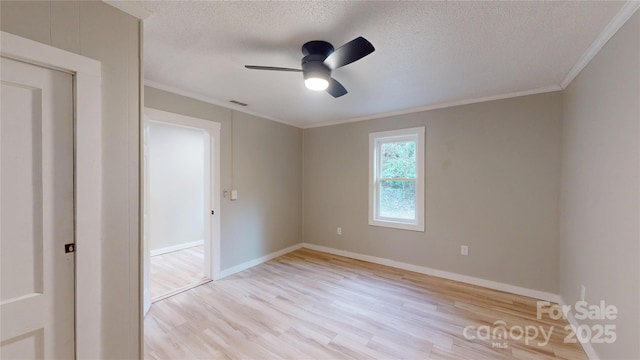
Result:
[[346, 54], [335, 88], [255, 67]]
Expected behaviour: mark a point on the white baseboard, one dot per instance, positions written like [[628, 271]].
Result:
[[173, 248], [251, 263], [587, 346], [146, 296], [180, 290], [536, 294]]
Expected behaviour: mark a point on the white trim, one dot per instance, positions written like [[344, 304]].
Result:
[[88, 214], [180, 120], [144, 271], [210, 100], [607, 33], [513, 289], [180, 290], [586, 346], [251, 263], [88, 180], [130, 7], [212, 193], [616, 23], [375, 139], [442, 105], [536, 294], [19, 48], [177, 247]]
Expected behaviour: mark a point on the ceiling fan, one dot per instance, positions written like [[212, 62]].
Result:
[[320, 59]]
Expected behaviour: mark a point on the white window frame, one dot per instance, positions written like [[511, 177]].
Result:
[[375, 141]]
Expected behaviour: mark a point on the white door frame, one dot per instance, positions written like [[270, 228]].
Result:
[[87, 99], [211, 191]]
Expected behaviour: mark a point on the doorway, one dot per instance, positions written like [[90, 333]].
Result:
[[181, 187]]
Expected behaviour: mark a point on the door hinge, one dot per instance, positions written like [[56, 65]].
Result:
[[69, 248]]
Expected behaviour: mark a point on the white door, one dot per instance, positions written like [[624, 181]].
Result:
[[36, 213]]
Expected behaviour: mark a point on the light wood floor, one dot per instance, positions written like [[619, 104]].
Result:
[[175, 270], [312, 305]]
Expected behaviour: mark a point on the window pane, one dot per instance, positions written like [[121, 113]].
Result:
[[398, 160], [398, 199]]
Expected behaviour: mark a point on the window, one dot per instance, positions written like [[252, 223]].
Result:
[[396, 179]]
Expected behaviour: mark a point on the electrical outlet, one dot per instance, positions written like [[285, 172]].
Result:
[[339, 231], [464, 250], [583, 291]]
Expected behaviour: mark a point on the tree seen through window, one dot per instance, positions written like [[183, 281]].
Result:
[[397, 179]]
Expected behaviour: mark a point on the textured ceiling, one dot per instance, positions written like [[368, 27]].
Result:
[[426, 52]]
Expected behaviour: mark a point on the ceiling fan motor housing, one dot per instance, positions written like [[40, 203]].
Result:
[[312, 63], [317, 47]]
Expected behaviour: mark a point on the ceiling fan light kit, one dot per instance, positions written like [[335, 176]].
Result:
[[316, 83], [320, 59], [316, 75]]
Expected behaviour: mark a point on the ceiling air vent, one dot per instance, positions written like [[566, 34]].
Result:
[[238, 103]]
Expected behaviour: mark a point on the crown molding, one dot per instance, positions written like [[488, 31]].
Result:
[[442, 105], [130, 7], [210, 100], [607, 33], [627, 10]]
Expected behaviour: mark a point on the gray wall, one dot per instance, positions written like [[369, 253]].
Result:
[[600, 231], [261, 159], [492, 183], [96, 30]]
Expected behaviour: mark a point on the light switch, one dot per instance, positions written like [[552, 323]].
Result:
[[234, 194]]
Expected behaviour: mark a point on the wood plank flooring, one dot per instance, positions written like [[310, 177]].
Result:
[[174, 270], [312, 305]]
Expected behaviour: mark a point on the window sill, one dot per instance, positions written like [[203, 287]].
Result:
[[397, 225]]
